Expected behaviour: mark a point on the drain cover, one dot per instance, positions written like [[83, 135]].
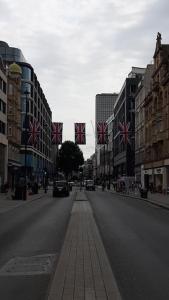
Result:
[[33, 265]]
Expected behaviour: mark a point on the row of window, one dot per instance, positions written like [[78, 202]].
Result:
[[2, 106]]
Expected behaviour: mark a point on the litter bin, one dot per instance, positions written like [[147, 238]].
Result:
[[35, 188], [20, 192], [143, 193]]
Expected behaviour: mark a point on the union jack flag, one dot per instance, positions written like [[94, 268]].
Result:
[[57, 133], [34, 132], [102, 133], [80, 133], [124, 132]]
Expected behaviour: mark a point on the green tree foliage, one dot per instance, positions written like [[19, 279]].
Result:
[[70, 157]]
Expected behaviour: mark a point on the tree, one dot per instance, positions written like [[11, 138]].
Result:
[[70, 157]]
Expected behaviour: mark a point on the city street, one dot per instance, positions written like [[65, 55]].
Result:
[[31, 237], [136, 236]]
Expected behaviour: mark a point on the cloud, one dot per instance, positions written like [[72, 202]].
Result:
[[81, 48]]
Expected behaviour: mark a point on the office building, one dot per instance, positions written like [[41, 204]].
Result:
[[104, 107], [124, 113], [36, 107]]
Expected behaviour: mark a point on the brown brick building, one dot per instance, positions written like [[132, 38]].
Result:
[[156, 160], [14, 122]]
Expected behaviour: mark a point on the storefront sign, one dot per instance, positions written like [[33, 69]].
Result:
[[158, 171], [148, 172]]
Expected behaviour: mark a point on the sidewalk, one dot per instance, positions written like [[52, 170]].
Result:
[[6, 202], [83, 271], [161, 200]]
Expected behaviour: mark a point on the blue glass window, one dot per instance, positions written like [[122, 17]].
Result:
[[26, 73]]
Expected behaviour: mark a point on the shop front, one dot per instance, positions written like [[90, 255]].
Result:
[[155, 179]]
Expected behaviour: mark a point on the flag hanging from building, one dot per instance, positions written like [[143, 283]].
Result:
[[124, 132], [34, 132], [80, 133], [57, 133], [102, 133]]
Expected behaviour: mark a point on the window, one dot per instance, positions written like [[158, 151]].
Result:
[[4, 107], [10, 89], [10, 109], [0, 83], [4, 87], [10, 131], [26, 73], [2, 127], [25, 86]]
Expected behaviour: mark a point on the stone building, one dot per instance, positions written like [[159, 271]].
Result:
[[3, 124], [156, 162], [144, 87], [14, 122]]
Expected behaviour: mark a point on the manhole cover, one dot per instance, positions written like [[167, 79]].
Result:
[[33, 265]]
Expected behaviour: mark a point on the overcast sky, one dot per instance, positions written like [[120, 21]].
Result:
[[79, 48]]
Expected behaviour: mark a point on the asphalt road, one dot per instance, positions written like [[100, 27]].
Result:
[[33, 232], [136, 237]]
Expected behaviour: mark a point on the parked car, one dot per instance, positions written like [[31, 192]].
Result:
[[89, 184], [60, 188]]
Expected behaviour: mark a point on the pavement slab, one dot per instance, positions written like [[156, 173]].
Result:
[[83, 271]]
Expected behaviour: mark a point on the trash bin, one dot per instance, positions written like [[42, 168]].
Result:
[[35, 188], [143, 193], [20, 192]]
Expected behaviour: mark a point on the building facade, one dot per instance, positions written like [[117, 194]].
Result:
[[156, 161], [124, 113], [14, 122], [3, 125], [104, 107], [144, 87], [34, 109]]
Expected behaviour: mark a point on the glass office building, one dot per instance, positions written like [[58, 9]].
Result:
[[38, 110]]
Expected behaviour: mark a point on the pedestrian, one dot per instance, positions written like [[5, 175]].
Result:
[[103, 185]]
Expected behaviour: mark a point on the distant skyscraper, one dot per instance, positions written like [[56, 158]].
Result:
[[104, 106]]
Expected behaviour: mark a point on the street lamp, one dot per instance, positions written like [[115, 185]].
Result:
[[26, 93]]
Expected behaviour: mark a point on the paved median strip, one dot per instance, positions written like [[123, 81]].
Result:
[[83, 270]]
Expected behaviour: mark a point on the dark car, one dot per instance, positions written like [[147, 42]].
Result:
[[60, 188], [90, 185]]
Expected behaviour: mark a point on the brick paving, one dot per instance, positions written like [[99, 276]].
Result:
[[83, 271]]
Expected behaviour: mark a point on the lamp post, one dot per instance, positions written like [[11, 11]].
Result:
[[26, 93]]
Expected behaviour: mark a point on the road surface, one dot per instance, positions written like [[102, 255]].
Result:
[[136, 238]]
